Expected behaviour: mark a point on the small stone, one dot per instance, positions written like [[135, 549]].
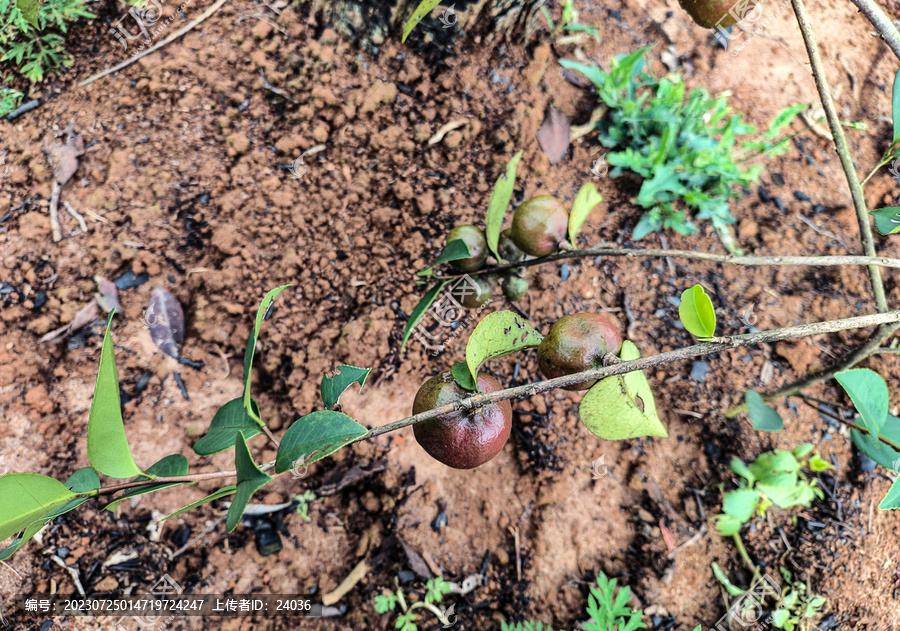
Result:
[[440, 521], [564, 272], [800, 196], [699, 370], [108, 584]]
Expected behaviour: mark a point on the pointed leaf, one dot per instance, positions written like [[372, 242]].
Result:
[[622, 406], [26, 498], [585, 201], [425, 7], [497, 335], [875, 449], [107, 445], [419, 311], [763, 417], [502, 193], [224, 491], [696, 312], [887, 220], [891, 501], [250, 478], [869, 394], [82, 481], [333, 387], [251, 349], [173, 465], [453, 251], [18, 542], [228, 421], [165, 319], [315, 436]]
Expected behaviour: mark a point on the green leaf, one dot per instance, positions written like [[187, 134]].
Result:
[[730, 587], [502, 193], [585, 201], [463, 376], [453, 251], [425, 7], [224, 491], [251, 349], [891, 501], [779, 617], [497, 335], [107, 445], [875, 449], [230, 419], [315, 436], [727, 525], [763, 417], [895, 106], [887, 220], [30, 10], [696, 312], [740, 504], [785, 117], [26, 498], [333, 387], [817, 464], [18, 542], [419, 311], [742, 470], [622, 406], [803, 450], [172, 465], [82, 481], [869, 394], [250, 478], [777, 468]]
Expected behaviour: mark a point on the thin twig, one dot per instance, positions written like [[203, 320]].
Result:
[[881, 22], [81, 222], [729, 259], [55, 228], [171, 38], [843, 150]]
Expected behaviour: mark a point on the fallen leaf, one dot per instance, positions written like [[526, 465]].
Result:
[[63, 158], [165, 319], [553, 135], [416, 562], [108, 296], [87, 314]]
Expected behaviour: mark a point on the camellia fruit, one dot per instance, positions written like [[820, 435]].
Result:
[[462, 440], [514, 287], [476, 242], [713, 13], [577, 343], [538, 225], [508, 250], [475, 291]]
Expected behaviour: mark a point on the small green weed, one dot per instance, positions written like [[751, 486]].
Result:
[[684, 146], [406, 621]]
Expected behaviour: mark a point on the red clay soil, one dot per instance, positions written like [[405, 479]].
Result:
[[184, 181]]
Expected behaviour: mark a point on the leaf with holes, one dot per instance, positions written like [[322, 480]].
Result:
[[250, 478], [333, 387], [763, 417], [315, 436], [869, 394], [107, 445], [251, 349], [500, 196], [585, 201], [696, 312], [622, 406], [497, 335]]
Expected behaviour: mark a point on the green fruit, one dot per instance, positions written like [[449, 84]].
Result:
[[713, 13], [514, 287], [508, 250], [477, 244], [473, 292], [461, 441], [538, 225], [577, 343]]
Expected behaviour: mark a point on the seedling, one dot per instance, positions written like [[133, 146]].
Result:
[[435, 589], [303, 502], [569, 21], [774, 478]]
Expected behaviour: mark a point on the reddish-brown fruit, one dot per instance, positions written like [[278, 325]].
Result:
[[713, 13], [461, 440], [474, 292], [477, 244], [577, 343], [538, 225]]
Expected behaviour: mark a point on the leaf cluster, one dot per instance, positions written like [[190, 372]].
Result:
[[685, 146]]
